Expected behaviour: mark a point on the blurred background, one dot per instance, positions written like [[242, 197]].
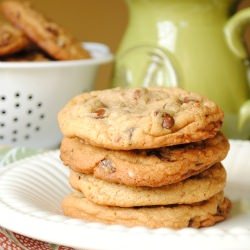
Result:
[[90, 20]]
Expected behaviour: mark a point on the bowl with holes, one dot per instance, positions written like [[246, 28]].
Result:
[[32, 93]]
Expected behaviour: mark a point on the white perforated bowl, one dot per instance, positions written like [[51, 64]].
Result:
[[32, 93]]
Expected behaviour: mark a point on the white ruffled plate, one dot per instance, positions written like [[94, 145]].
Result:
[[31, 191]]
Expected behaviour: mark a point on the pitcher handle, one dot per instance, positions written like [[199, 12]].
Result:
[[233, 30]]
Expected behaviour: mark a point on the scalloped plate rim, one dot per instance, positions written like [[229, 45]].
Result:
[[70, 229]]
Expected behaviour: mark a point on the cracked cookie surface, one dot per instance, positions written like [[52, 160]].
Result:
[[142, 118], [151, 168], [197, 215]]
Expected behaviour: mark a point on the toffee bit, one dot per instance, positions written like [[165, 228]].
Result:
[[52, 30]]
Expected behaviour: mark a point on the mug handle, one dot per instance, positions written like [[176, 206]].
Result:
[[233, 31]]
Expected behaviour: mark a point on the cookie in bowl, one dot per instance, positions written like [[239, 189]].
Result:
[[43, 66], [12, 40], [46, 34]]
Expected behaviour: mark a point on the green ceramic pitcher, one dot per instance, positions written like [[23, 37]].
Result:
[[194, 44]]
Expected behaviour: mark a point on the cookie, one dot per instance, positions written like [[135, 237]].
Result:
[[27, 56], [151, 168], [195, 189], [46, 34], [197, 215], [140, 118], [12, 40]]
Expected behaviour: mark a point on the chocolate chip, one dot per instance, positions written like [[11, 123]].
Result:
[[168, 121], [100, 113], [193, 222], [198, 164], [165, 154], [53, 30], [107, 166]]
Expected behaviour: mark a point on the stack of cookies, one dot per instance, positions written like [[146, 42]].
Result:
[[27, 35], [145, 157]]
